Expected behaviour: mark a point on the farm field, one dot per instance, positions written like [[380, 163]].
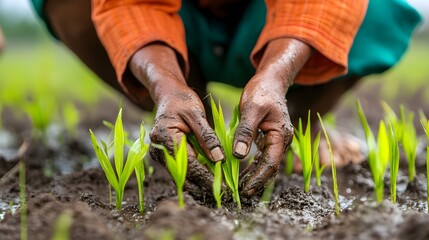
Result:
[[48, 102]]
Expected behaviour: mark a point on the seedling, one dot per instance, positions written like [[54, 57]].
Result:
[[217, 184], [318, 170], [333, 167], [425, 123], [306, 151], [41, 112], [394, 162], [289, 162], [135, 156], [70, 118], [378, 152], [177, 166], [216, 169], [231, 165], [405, 133], [140, 174], [409, 141], [63, 225]]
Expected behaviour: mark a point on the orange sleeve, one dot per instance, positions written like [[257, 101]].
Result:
[[328, 26], [126, 26]]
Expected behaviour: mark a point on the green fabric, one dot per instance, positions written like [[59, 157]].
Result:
[[383, 36], [205, 36]]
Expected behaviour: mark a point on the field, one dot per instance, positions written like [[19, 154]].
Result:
[[49, 101]]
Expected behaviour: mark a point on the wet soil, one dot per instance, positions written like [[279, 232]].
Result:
[[65, 177]]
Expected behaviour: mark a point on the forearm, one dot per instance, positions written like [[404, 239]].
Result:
[[281, 61], [156, 67]]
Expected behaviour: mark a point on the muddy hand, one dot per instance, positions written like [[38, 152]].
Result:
[[263, 108], [180, 111]]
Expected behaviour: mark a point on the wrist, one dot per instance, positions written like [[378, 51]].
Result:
[[157, 68], [282, 59]]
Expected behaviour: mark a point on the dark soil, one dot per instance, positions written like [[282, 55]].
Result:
[[65, 177]]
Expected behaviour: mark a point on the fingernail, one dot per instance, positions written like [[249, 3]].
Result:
[[217, 154], [240, 149]]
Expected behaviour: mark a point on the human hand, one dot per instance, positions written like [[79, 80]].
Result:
[[264, 113], [180, 111]]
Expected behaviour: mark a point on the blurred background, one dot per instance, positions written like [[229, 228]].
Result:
[[38, 74]]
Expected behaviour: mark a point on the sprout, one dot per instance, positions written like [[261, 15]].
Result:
[[394, 162], [140, 174], [306, 151], [135, 156], [70, 118], [231, 165], [62, 226], [217, 184], [409, 141], [333, 168], [405, 133], [378, 152], [289, 162], [177, 166]]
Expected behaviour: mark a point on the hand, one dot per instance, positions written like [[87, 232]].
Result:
[[179, 112], [264, 113]]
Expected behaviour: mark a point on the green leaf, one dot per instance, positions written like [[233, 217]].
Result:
[[217, 184], [104, 162], [135, 156], [118, 142]]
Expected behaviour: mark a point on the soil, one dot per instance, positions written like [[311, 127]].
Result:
[[65, 177]]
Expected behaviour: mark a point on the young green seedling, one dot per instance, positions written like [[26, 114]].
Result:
[[217, 184], [215, 168], [289, 162], [63, 225], [135, 156], [333, 167], [409, 141], [318, 170], [394, 162], [378, 152], [70, 118], [140, 174], [425, 123], [177, 166], [231, 164], [306, 151], [405, 133]]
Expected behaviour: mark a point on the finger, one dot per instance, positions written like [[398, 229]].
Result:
[[205, 135], [269, 164], [245, 132]]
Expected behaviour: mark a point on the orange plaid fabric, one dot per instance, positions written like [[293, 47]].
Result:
[[329, 26]]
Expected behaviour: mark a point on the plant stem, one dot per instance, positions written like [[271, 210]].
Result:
[[393, 190], [379, 191], [237, 199], [119, 197], [289, 163], [333, 168], [411, 170], [180, 196], [22, 196], [110, 193]]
